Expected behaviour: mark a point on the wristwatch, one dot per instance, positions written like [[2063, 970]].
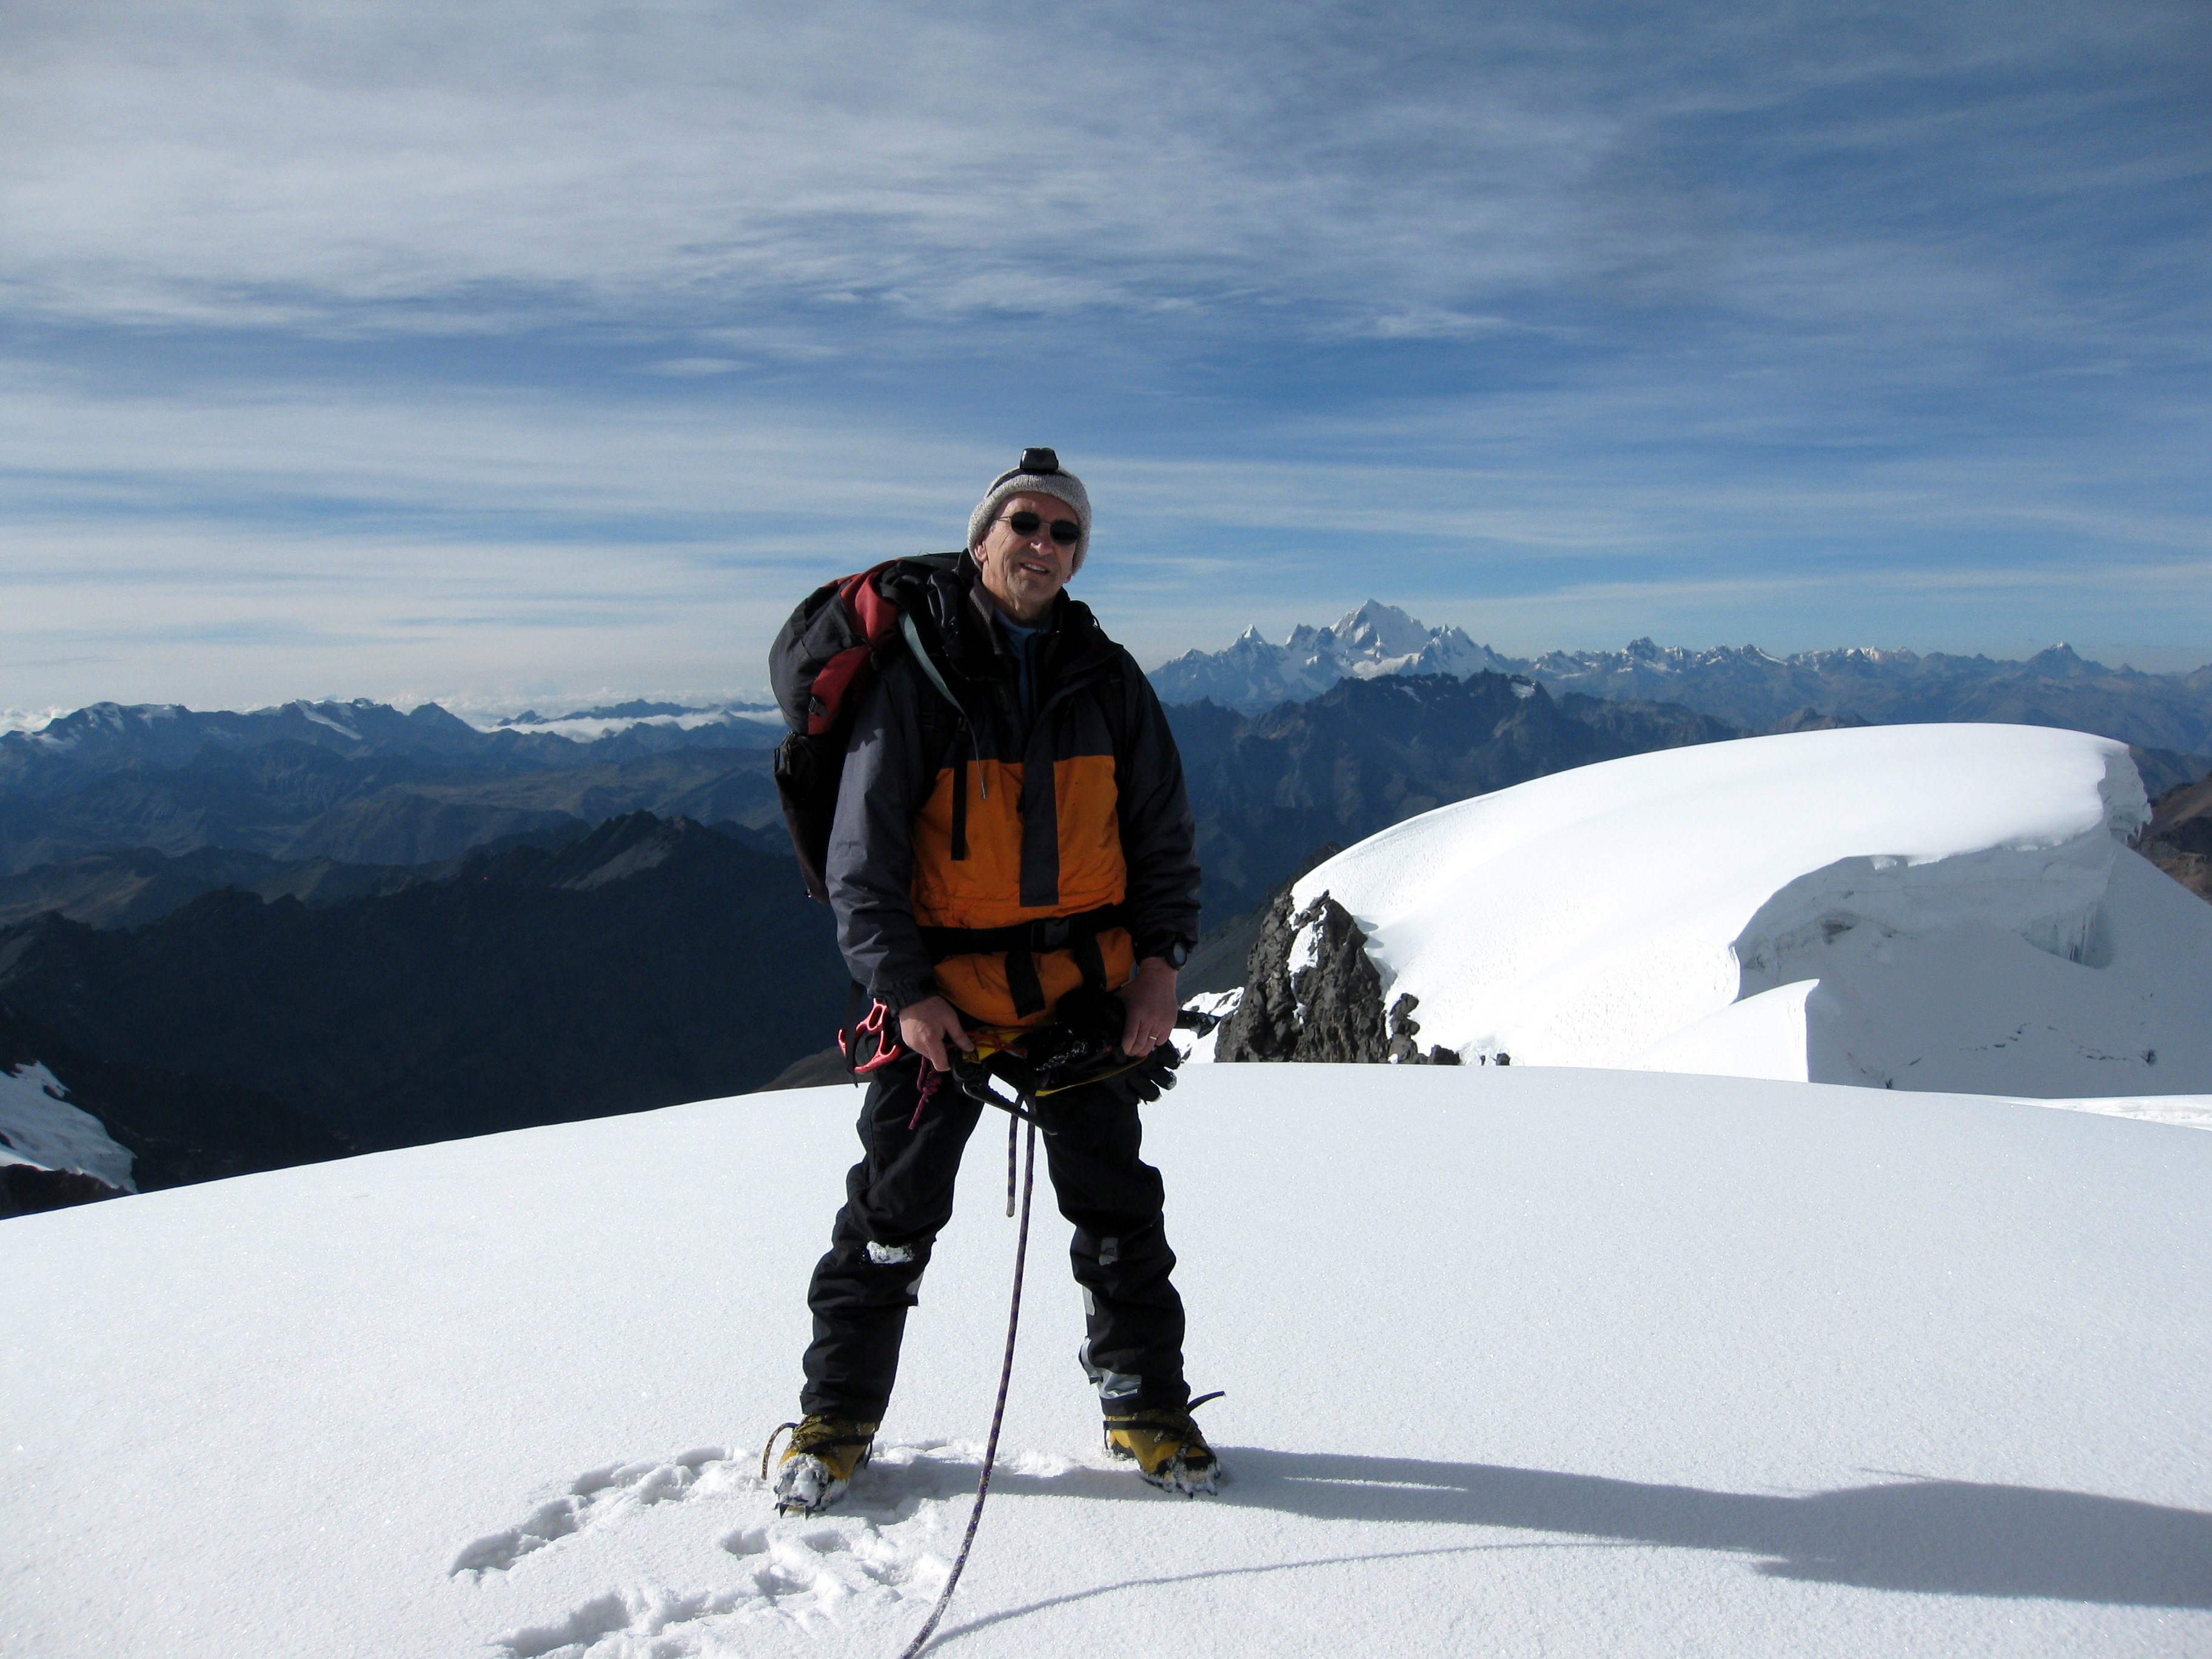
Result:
[[1176, 954]]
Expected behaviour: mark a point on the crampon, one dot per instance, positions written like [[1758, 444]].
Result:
[[1167, 1447], [819, 1464]]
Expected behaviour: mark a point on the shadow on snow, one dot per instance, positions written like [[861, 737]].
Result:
[[1930, 1537]]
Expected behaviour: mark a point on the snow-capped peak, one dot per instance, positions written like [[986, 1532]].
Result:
[[1373, 639], [1376, 630]]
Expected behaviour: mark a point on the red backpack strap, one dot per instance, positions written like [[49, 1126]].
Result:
[[834, 685], [877, 615], [842, 676]]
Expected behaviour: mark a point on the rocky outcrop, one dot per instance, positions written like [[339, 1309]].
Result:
[[2178, 839], [1402, 1050], [1310, 993]]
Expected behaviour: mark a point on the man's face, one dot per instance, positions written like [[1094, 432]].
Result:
[[1023, 574]]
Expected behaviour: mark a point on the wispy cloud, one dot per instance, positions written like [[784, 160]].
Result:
[[409, 165], [375, 323], [691, 368]]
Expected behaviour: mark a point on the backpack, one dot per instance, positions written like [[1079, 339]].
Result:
[[825, 657]]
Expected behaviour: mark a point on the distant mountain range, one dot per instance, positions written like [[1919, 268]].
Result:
[[243, 940], [1266, 789], [1747, 687], [359, 782], [244, 932], [170, 734], [328, 801]]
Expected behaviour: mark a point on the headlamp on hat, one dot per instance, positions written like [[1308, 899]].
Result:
[[1038, 473]]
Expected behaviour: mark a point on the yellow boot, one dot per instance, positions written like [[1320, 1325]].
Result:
[[1167, 1448], [819, 1463]]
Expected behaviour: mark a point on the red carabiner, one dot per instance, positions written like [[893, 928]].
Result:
[[888, 1047]]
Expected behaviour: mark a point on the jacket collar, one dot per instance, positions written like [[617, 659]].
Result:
[[1074, 644]]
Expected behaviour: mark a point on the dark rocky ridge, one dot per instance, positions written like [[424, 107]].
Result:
[[647, 963], [124, 889], [290, 801], [178, 1127], [2178, 838], [133, 887]]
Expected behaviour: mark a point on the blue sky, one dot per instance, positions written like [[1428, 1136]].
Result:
[[518, 352]]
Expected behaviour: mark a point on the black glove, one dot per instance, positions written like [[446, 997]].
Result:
[[1148, 1079]]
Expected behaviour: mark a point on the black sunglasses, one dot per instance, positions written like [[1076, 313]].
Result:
[[1065, 532]]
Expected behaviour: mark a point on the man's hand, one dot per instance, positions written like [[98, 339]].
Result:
[[929, 1024], [1151, 999]]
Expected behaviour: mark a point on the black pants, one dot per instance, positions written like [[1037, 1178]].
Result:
[[899, 1196]]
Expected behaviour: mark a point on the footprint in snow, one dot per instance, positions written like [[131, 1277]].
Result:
[[594, 1499], [891, 1540]]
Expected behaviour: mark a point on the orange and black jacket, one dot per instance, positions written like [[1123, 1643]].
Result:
[[1001, 862]]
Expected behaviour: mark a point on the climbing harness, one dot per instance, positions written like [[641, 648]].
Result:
[[1035, 1063]]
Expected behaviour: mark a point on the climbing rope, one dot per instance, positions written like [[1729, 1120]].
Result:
[[1005, 1377]]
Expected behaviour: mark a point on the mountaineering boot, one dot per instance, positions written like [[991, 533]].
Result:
[[1167, 1448], [819, 1463]]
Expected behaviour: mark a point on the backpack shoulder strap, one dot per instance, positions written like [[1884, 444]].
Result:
[[1117, 704], [926, 660]]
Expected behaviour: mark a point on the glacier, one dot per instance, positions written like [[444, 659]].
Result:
[[1947, 907]]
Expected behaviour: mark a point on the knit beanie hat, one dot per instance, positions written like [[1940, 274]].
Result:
[[1038, 474]]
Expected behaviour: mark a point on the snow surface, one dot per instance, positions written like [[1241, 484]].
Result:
[[38, 1127], [2191, 1111], [1923, 906], [1519, 1361]]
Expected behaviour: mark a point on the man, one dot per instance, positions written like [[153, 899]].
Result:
[[1012, 844]]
